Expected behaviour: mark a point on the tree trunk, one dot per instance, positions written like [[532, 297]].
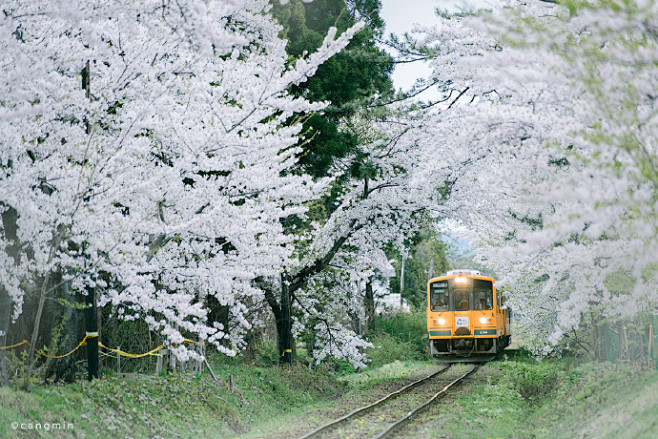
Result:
[[9, 228], [35, 330], [218, 313], [284, 328], [284, 341], [64, 369], [369, 302], [401, 283], [5, 318], [293, 283], [596, 339]]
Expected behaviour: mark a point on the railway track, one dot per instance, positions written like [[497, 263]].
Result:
[[394, 427]]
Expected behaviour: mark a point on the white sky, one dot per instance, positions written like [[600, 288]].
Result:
[[401, 15]]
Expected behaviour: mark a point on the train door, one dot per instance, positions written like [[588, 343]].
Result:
[[462, 304]]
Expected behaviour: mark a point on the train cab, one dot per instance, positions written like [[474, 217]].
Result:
[[466, 317]]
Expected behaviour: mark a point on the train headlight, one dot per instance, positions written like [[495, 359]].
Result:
[[485, 320], [442, 321], [461, 280]]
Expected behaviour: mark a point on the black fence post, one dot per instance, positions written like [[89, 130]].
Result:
[[92, 330], [286, 333]]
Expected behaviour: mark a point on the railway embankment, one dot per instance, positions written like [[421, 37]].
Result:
[[514, 397]]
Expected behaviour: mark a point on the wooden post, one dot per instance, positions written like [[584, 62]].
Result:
[[158, 362], [213, 373], [202, 352], [118, 360], [172, 361]]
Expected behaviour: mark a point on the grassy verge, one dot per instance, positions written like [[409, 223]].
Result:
[[263, 400], [521, 398], [171, 406]]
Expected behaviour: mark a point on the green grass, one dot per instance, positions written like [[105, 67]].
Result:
[[375, 375], [399, 338], [522, 398], [516, 397], [168, 406]]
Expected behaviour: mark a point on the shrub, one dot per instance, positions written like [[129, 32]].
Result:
[[533, 381], [401, 337]]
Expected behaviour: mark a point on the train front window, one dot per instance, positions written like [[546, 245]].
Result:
[[482, 294], [439, 296], [461, 300]]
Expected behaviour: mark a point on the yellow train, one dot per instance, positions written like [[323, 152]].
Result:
[[467, 319]]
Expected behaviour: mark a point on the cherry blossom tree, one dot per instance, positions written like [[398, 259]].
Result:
[[161, 181], [546, 134], [381, 200]]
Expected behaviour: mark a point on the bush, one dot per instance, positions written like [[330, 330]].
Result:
[[398, 338], [534, 380]]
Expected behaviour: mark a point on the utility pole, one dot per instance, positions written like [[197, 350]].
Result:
[[430, 272]]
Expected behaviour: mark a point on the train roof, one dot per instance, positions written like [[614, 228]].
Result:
[[463, 271]]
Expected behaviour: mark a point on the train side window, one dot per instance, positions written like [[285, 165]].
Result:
[[482, 294], [439, 296]]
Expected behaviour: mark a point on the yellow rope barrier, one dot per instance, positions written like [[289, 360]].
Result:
[[15, 345], [84, 340], [129, 355], [93, 335]]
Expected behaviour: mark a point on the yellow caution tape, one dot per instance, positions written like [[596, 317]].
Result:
[[285, 351]]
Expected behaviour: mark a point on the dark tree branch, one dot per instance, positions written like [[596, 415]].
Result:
[[458, 96]]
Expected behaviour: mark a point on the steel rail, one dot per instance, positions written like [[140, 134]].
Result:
[[392, 427], [360, 410]]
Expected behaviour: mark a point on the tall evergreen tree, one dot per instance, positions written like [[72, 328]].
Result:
[[351, 78]]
